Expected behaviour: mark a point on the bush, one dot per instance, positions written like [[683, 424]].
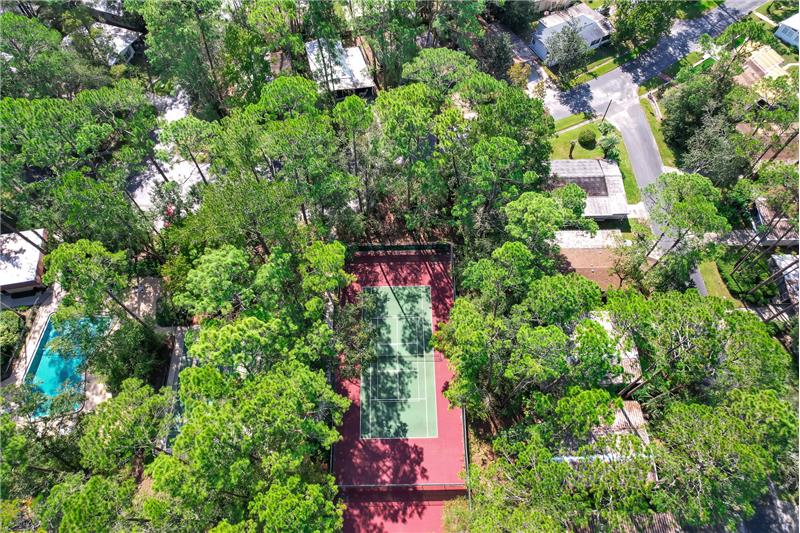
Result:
[[746, 278], [605, 127], [10, 331], [588, 138], [610, 146]]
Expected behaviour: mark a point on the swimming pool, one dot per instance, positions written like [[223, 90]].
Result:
[[51, 373]]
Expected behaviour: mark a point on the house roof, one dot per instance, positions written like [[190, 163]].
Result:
[[19, 259], [762, 63], [792, 22], [602, 181], [591, 24], [783, 228], [348, 67]]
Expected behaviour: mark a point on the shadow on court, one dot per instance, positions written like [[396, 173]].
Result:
[[398, 396]]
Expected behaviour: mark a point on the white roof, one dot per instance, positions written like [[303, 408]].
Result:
[[348, 67], [120, 38], [600, 178], [792, 22], [591, 24], [791, 277], [19, 259]]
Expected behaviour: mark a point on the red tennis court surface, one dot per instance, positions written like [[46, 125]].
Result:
[[401, 484]]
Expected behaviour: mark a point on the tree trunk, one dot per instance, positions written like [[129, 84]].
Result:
[[196, 164], [127, 310], [210, 60], [655, 244], [793, 137], [160, 170]]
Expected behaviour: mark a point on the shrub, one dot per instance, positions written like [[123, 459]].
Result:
[[588, 138], [605, 127], [610, 146], [10, 331], [746, 278]]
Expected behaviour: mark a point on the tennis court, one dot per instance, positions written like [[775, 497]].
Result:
[[398, 390]]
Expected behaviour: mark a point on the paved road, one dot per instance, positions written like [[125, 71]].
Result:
[[620, 89], [621, 85]]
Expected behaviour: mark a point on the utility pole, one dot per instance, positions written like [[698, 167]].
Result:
[[606, 111]]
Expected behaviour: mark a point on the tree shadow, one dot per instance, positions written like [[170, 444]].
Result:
[[578, 99]]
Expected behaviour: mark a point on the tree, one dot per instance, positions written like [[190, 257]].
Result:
[[440, 69], [684, 205], [642, 24], [128, 351], [453, 23], [94, 504], [129, 427], [560, 300], [518, 74], [245, 212], [218, 284], [566, 50], [353, 117], [687, 104], [596, 355], [535, 217], [189, 56], [286, 97], [190, 137], [90, 275], [496, 56], [718, 151], [405, 114], [391, 29], [238, 442], [704, 447], [36, 65]]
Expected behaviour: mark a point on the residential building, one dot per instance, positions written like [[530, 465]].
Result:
[[789, 30], [626, 356], [591, 256], [21, 263], [602, 181], [593, 27], [343, 70]]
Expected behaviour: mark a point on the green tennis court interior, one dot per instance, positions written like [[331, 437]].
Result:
[[398, 390]]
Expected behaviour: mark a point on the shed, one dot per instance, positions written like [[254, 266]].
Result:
[[21, 262], [786, 267], [602, 181]]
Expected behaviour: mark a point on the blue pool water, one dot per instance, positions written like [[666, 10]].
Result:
[[51, 373]]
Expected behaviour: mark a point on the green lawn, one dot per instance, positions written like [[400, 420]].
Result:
[[571, 120], [667, 156], [561, 146], [778, 10], [594, 4], [671, 71], [606, 65], [714, 284], [691, 9]]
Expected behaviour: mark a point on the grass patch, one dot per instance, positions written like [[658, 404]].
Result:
[[561, 146], [691, 9], [714, 284], [606, 65], [778, 10], [671, 71], [594, 4], [667, 156], [568, 122]]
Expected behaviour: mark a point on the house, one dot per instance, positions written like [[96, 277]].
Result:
[[543, 6], [602, 181], [342, 69], [594, 28], [764, 62], [789, 29], [784, 230], [21, 263]]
